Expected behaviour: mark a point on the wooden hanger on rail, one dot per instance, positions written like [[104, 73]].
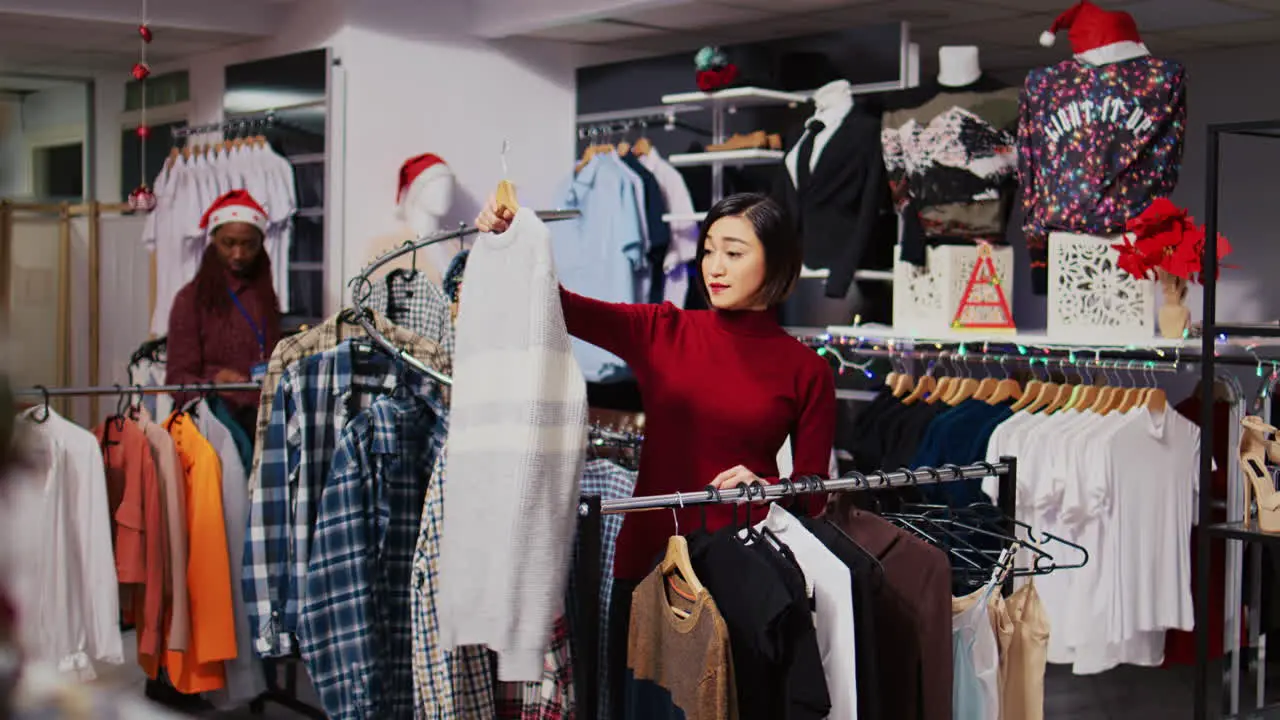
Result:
[[505, 195]]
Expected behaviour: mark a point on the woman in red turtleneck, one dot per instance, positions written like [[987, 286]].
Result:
[[722, 388]]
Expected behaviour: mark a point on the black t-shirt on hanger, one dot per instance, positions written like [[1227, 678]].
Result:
[[767, 628]]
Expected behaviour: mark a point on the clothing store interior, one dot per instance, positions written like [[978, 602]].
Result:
[[644, 360]]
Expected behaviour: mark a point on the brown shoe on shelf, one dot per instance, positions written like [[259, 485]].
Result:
[[775, 141], [749, 141], [1255, 448]]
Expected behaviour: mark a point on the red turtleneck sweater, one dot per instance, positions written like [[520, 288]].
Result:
[[720, 389]]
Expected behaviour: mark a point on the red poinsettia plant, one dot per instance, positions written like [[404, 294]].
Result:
[[1165, 237]]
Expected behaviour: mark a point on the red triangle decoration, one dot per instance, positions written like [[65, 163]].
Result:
[[983, 305]]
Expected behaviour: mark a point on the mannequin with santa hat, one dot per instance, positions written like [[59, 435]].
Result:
[[1100, 135], [225, 323], [424, 196]]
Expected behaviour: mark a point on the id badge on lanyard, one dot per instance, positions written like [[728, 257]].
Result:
[[258, 332]]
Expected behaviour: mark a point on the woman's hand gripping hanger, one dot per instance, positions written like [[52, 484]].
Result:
[[505, 195]]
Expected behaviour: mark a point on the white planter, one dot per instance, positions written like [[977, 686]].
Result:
[[1091, 300], [925, 299]]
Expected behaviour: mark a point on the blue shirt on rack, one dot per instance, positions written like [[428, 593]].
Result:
[[599, 253]]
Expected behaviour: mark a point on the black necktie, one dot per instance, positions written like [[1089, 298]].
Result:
[[805, 154]]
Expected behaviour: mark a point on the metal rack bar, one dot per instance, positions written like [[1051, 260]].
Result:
[[95, 390], [851, 481], [653, 112], [245, 123]]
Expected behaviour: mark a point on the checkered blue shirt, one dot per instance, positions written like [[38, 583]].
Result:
[[313, 402], [610, 482], [355, 632], [448, 685], [416, 304]]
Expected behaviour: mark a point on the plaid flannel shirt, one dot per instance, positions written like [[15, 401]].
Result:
[[448, 684], [356, 632], [611, 482], [313, 402], [417, 304], [326, 336], [550, 699]]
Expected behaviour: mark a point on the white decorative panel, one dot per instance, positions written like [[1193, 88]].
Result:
[[1091, 300], [925, 299]]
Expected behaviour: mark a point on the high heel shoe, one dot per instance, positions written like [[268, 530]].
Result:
[[1255, 448]]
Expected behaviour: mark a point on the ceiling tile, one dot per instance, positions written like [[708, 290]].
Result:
[[791, 7], [1245, 33], [1154, 15], [1053, 6], [597, 31], [922, 14], [1265, 5], [1015, 32], [692, 15]]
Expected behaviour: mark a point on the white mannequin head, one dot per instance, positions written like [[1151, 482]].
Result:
[[958, 65], [425, 194], [835, 95]]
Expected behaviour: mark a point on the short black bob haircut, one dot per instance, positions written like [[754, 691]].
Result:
[[782, 251]]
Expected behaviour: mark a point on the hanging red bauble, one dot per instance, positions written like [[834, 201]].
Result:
[[145, 32], [141, 71], [144, 132], [142, 199]]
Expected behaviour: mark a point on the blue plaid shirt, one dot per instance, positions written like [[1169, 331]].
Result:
[[610, 482], [453, 684], [355, 633], [313, 402]]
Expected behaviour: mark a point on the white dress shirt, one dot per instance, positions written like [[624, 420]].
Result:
[[832, 584], [57, 529]]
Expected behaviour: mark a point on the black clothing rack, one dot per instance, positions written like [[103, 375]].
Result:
[[241, 125], [1213, 330], [591, 509]]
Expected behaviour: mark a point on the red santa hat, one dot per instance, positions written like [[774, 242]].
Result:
[[418, 171], [234, 206], [1090, 27]]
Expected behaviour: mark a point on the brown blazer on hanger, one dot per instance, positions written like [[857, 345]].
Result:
[[913, 618]]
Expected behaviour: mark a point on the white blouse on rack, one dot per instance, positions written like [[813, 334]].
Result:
[[57, 529]]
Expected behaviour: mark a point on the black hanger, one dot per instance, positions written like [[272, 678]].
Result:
[[44, 395]]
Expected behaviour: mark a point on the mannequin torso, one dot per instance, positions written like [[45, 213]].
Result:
[[832, 103]]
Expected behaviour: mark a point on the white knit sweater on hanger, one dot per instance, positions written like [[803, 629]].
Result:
[[516, 447]]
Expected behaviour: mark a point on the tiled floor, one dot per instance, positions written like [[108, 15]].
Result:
[[1134, 693]]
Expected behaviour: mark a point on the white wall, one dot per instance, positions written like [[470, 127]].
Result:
[[14, 181], [460, 100]]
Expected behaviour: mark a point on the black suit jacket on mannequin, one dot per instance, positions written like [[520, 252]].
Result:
[[839, 217]]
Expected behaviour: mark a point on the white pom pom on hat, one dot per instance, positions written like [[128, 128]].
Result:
[[1047, 38]]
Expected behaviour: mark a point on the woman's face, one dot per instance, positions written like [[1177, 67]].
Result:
[[238, 246], [733, 265]]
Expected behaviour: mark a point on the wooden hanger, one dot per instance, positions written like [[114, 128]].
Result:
[[943, 388], [964, 390], [1005, 389], [642, 146], [926, 386], [1044, 398], [1156, 401], [1028, 395], [677, 560], [986, 388], [506, 196], [174, 154]]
